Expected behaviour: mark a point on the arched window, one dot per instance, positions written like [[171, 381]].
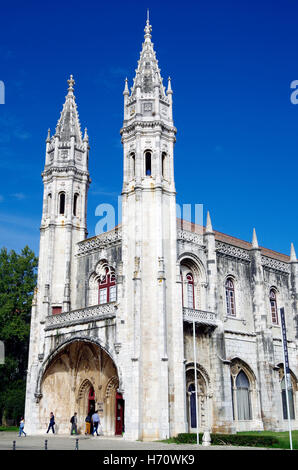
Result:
[[163, 164], [75, 203], [181, 278], [133, 165], [147, 163], [61, 203], [230, 297], [107, 288], [243, 397], [273, 306], [192, 406], [190, 291], [284, 400]]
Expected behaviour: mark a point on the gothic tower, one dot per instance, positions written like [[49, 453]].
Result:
[[153, 335], [63, 225]]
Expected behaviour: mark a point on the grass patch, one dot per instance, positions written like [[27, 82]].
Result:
[[9, 428], [282, 437], [268, 439]]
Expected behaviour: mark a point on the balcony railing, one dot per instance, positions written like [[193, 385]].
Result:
[[82, 315], [199, 316]]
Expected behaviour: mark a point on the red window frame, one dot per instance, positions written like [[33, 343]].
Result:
[[108, 281]]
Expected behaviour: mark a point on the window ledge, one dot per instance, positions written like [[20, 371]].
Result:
[[230, 317]]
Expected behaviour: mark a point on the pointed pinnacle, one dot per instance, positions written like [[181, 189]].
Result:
[[49, 136], [209, 228], [254, 243], [86, 137], [71, 84], [293, 257], [169, 90], [126, 90], [148, 27]]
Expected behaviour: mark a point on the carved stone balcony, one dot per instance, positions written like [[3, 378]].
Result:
[[83, 315], [200, 317]]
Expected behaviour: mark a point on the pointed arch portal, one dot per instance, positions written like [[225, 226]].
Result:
[[81, 378]]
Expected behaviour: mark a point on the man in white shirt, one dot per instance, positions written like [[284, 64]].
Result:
[[96, 422]]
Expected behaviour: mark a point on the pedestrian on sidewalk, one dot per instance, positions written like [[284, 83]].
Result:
[[21, 429], [88, 424], [52, 423], [74, 422], [96, 422]]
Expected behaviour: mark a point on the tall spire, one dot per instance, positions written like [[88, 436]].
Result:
[[293, 257], [69, 124], [209, 228], [254, 243], [148, 73]]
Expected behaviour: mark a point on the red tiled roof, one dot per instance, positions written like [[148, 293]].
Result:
[[222, 237]]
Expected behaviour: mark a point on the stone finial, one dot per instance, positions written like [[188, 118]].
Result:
[[71, 84], [169, 90], [86, 137], [49, 135], [254, 243], [293, 257], [209, 228], [148, 28], [126, 90]]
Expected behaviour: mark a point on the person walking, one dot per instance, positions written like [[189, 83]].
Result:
[[96, 422], [21, 429], [88, 424], [74, 422], [52, 423]]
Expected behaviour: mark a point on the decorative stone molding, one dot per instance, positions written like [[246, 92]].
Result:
[[38, 397], [199, 316], [241, 333], [97, 243], [233, 251], [83, 315], [191, 237], [276, 265]]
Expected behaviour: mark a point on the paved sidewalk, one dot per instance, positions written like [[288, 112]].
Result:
[[64, 442]]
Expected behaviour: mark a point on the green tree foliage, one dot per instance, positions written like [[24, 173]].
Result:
[[18, 275]]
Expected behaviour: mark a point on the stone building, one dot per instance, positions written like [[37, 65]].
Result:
[[125, 322]]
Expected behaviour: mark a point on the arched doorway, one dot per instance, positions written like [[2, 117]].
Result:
[[119, 427], [91, 401], [76, 380], [202, 400]]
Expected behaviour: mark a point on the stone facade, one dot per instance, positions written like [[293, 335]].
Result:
[[117, 318]]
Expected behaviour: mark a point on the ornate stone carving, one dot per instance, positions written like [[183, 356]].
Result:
[[97, 312], [230, 250], [199, 316], [275, 264], [101, 241], [190, 237]]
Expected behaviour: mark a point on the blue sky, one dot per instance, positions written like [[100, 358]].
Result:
[[231, 65]]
